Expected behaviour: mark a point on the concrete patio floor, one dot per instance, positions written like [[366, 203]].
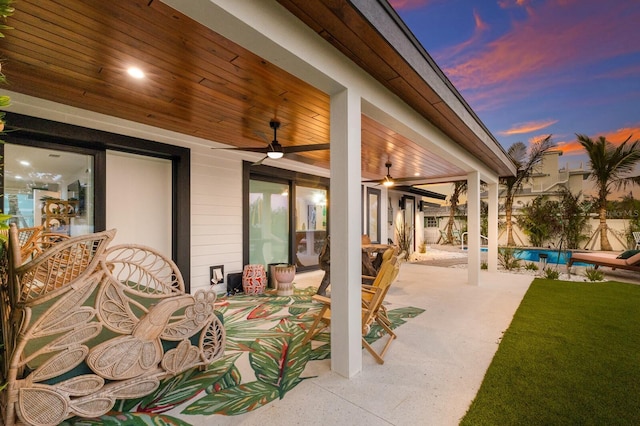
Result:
[[431, 372]]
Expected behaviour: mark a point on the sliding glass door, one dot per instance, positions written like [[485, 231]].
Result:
[[285, 216], [268, 222]]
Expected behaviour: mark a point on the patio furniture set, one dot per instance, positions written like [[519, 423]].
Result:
[[85, 323]]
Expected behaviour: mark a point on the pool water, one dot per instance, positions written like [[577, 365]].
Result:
[[553, 257], [533, 255]]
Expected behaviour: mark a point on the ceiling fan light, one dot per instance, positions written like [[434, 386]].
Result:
[[388, 181], [275, 154]]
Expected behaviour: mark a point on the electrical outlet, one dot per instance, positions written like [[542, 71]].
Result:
[[216, 275]]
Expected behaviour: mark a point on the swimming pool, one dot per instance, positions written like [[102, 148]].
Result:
[[533, 255], [553, 256]]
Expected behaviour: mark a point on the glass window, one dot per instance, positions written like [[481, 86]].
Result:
[[311, 224], [373, 216], [268, 222], [48, 187], [430, 222]]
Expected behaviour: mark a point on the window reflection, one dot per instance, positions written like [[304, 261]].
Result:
[[311, 224], [268, 222], [49, 188]]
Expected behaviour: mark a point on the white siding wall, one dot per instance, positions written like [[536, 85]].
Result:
[[216, 215]]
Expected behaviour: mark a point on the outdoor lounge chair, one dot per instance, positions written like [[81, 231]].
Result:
[[614, 261], [636, 237], [85, 324], [455, 237], [372, 298]]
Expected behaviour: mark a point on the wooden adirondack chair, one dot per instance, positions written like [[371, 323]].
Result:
[[372, 298], [399, 259]]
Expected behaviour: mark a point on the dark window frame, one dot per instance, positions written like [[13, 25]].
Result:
[[27, 130]]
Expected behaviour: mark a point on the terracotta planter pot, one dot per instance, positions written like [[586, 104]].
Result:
[[285, 275]]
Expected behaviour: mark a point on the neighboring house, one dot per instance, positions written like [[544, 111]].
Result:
[[550, 178], [137, 155]]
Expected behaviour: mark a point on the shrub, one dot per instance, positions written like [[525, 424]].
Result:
[[551, 274], [574, 218], [530, 266], [405, 237], [507, 258], [592, 274], [539, 220]]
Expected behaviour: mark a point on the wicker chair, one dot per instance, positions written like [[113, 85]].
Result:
[[85, 325]]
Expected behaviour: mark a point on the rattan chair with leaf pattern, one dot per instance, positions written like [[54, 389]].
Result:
[[86, 324]]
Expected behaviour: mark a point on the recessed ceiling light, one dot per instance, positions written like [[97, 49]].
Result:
[[416, 174], [25, 163], [135, 72]]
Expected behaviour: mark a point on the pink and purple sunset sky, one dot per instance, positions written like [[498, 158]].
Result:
[[530, 68]]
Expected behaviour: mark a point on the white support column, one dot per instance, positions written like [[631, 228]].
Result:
[[473, 226], [345, 223], [492, 217], [384, 216]]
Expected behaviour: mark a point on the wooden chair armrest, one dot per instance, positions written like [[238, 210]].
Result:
[[322, 299]]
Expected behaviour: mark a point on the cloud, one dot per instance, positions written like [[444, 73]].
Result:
[[616, 137], [532, 126], [620, 135], [553, 44], [408, 4], [480, 29], [571, 148], [622, 72], [507, 4]]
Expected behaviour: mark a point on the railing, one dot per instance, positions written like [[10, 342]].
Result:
[[462, 239]]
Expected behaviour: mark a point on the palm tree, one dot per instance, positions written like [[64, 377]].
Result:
[[459, 188], [610, 167], [526, 162]]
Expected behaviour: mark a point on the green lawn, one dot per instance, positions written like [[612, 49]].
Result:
[[570, 357]]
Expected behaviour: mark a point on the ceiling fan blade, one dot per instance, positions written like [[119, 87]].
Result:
[[305, 148], [261, 149], [259, 162], [409, 179], [261, 135]]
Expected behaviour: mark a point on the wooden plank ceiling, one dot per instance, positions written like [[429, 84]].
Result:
[[198, 83]]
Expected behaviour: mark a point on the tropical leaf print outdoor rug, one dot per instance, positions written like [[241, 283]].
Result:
[[264, 359]]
